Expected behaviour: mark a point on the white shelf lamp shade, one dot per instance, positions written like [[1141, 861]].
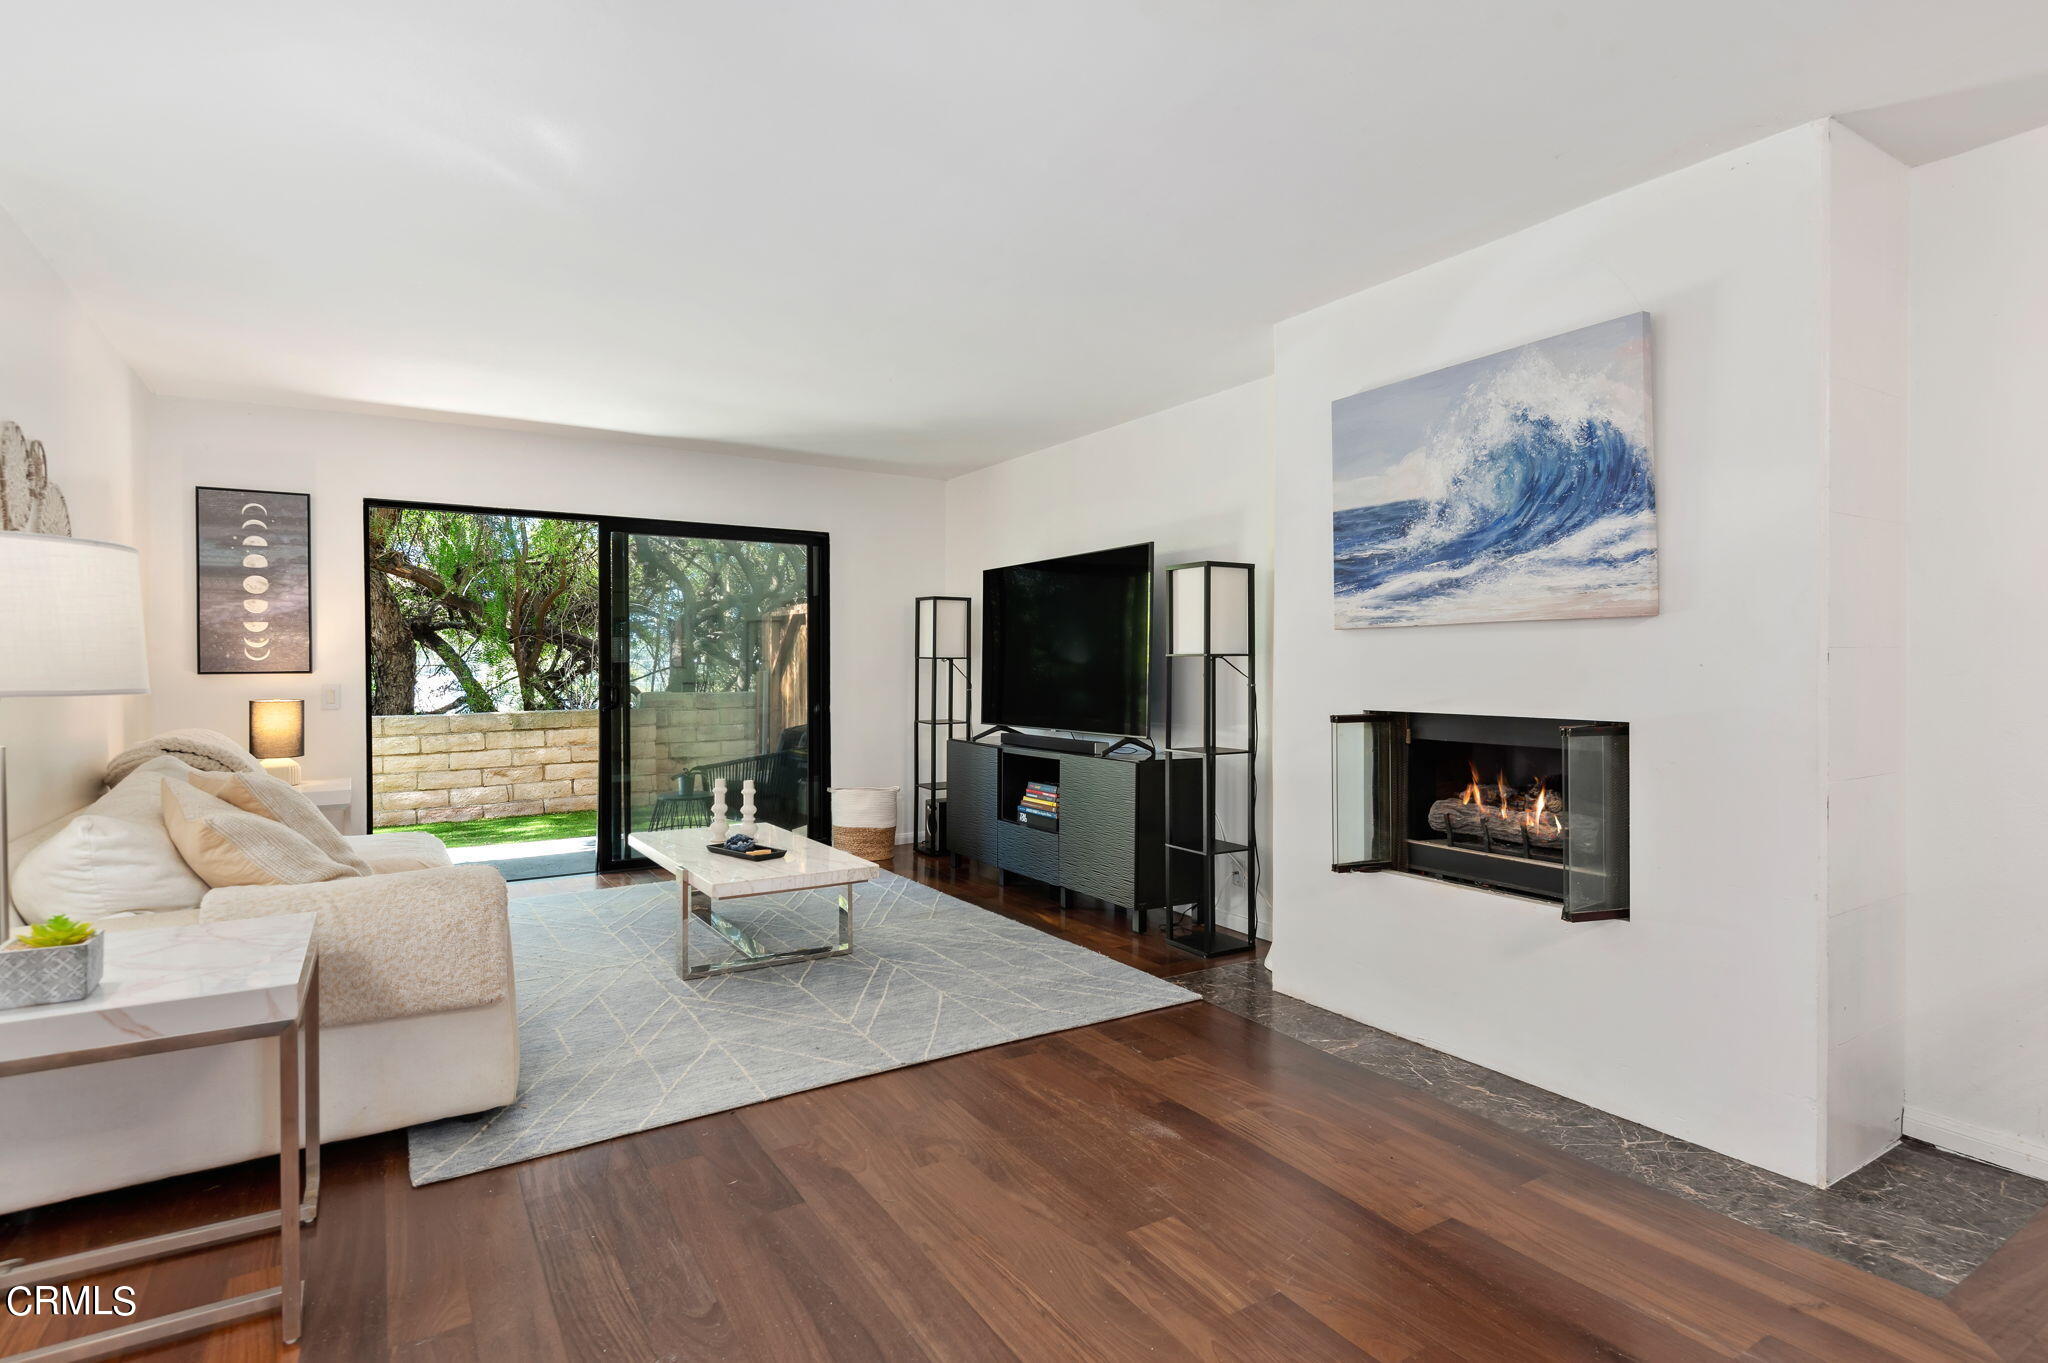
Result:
[[942, 628], [1210, 608], [70, 618]]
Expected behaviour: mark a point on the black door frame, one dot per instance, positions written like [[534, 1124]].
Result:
[[612, 680], [611, 735]]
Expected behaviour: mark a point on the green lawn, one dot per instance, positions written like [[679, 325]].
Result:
[[579, 823]]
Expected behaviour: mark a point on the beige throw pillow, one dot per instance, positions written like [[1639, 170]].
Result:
[[230, 846], [262, 793]]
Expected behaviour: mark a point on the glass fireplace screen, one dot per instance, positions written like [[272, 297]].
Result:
[[1534, 807]]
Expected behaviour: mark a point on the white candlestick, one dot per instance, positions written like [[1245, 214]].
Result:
[[719, 827], [747, 808]]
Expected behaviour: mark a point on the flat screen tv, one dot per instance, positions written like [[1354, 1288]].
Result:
[[1066, 643]]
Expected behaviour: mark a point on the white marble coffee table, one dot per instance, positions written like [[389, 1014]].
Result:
[[167, 989], [808, 866]]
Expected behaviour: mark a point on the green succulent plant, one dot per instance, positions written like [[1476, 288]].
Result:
[[57, 931]]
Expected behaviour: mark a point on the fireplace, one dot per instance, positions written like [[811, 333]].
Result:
[[1519, 805]]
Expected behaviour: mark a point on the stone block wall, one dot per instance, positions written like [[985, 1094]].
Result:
[[672, 731], [455, 768]]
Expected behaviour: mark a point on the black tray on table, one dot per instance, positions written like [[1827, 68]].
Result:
[[759, 853]]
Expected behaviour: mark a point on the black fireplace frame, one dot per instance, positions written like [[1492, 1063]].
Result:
[[1597, 751]]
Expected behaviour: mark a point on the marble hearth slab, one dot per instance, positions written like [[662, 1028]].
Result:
[[1921, 1217]]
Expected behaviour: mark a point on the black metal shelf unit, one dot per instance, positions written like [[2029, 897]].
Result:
[[943, 681], [1210, 627]]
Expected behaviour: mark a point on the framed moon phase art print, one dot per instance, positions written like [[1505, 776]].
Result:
[[255, 581]]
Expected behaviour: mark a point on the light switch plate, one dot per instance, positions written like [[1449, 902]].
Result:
[[330, 698]]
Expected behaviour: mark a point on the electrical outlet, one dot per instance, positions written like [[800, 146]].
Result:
[[1237, 873]]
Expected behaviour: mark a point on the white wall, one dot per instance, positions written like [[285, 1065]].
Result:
[[1977, 917], [884, 533], [1701, 1015], [1864, 1069], [65, 387], [1196, 480]]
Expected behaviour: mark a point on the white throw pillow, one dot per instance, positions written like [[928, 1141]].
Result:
[[113, 857]]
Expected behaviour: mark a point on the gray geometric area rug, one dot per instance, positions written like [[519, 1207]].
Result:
[[613, 1042]]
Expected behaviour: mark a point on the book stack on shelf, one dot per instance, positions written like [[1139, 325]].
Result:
[[1040, 807]]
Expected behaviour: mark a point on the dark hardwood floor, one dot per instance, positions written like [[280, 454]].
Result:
[[1181, 1184]]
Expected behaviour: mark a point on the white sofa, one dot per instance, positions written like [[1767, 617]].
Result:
[[419, 1023]]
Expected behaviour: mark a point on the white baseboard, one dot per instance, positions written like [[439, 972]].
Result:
[[2006, 1149], [1232, 916]]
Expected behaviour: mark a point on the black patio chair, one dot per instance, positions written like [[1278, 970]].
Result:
[[781, 786]]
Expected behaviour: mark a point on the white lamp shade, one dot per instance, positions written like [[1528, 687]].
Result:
[[1211, 608], [70, 617], [942, 627]]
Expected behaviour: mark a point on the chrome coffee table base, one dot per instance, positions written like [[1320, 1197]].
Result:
[[749, 954]]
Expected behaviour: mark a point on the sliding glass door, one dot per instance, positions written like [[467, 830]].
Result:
[[715, 669], [483, 627]]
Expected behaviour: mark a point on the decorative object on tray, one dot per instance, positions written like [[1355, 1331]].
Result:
[[54, 961], [29, 501], [864, 820], [747, 824], [255, 581], [1517, 486], [719, 827], [746, 849]]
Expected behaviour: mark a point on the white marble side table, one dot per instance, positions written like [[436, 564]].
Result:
[[168, 989]]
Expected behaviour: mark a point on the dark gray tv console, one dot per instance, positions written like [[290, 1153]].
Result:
[[1109, 843]]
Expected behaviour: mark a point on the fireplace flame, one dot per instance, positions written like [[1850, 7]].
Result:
[[1472, 795], [1540, 814]]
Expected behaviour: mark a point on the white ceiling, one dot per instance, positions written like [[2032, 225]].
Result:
[[928, 234]]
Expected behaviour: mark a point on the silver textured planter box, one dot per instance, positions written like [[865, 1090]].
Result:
[[51, 974]]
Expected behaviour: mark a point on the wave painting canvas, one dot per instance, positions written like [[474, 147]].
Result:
[[1514, 487]]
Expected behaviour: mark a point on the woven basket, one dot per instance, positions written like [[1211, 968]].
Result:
[[864, 820], [876, 844]]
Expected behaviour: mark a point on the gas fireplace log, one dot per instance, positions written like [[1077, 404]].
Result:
[[1509, 832], [1447, 816]]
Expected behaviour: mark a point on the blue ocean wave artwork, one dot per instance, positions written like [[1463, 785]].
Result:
[[1514, 487]]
